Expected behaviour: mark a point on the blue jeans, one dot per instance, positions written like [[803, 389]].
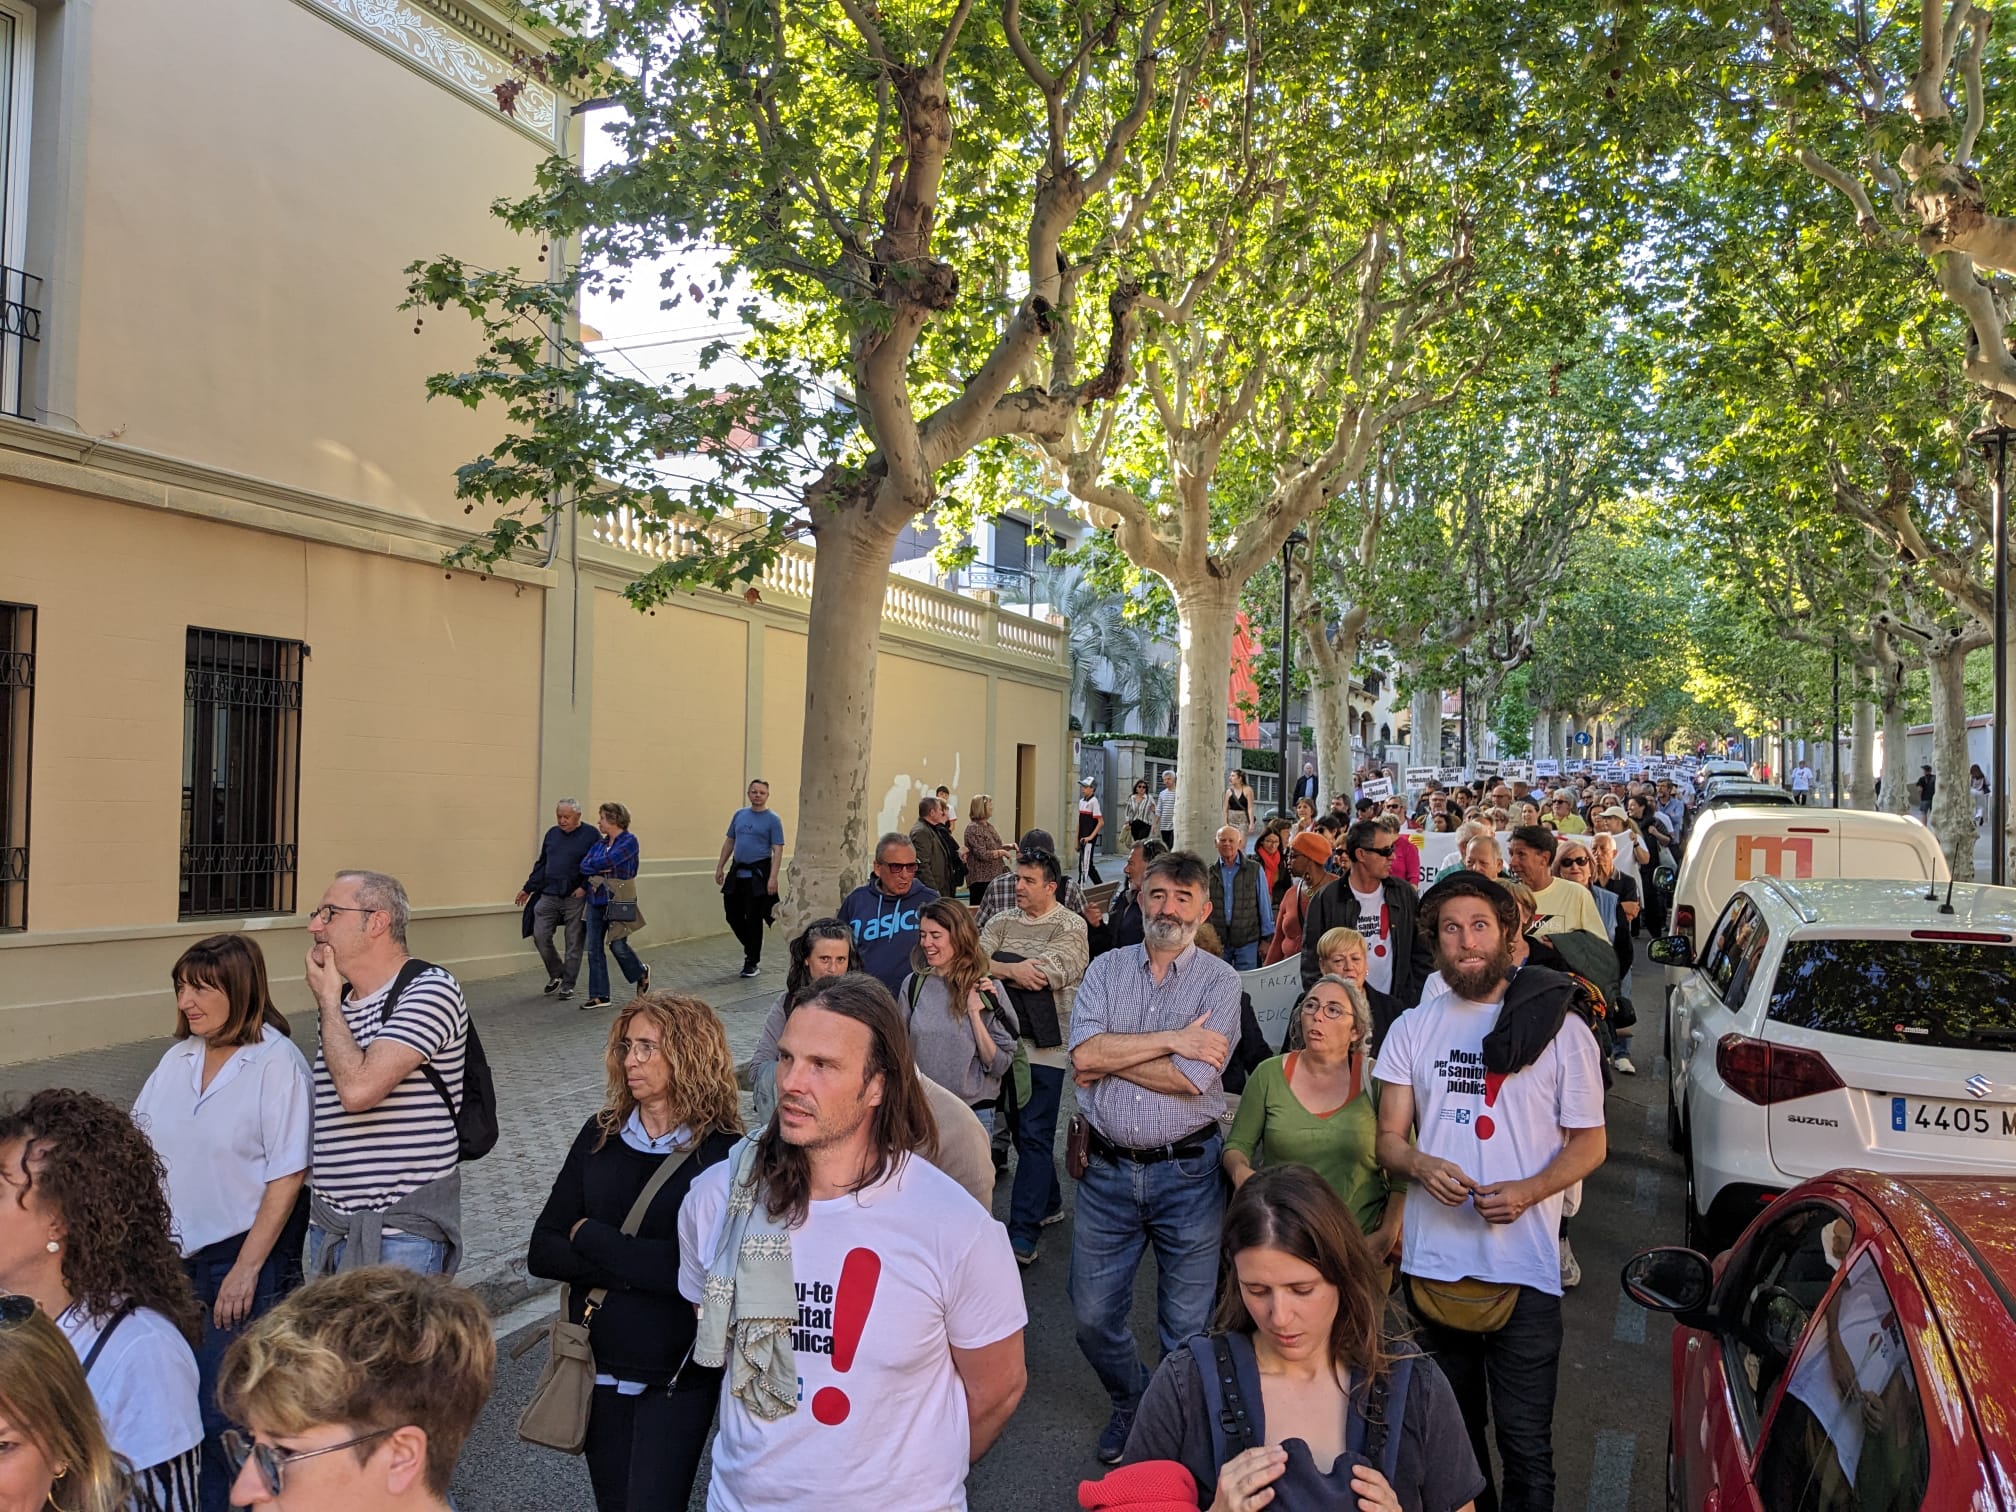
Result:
[[1244, 957], [1036, 1193], [598, 963], [408, 1251], [207, 1269], [1175, 1205], [986, 1117], [1506, 1380]]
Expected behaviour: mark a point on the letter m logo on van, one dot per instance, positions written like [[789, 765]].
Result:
[[1764, 856]]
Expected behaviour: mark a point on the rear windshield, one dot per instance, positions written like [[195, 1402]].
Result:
[[1906, 992]]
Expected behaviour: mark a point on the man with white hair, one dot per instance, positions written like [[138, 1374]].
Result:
[[385, 1180], [559, 897]]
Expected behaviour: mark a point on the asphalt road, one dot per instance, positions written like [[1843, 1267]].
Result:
[[1609, 1424]]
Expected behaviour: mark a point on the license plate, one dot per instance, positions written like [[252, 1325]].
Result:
[[1914, 1115]]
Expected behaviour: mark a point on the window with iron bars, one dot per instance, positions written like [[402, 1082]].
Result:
[[241, 774], [17, 730]]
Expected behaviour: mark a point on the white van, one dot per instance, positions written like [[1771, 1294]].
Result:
[[1729, 846]]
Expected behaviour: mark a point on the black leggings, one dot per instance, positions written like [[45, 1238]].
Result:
[[644, 1451]]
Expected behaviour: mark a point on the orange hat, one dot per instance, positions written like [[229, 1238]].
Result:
[[1314, 845]]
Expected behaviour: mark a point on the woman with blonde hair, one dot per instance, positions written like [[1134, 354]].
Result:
[[961, 1035], [52, 1449], [672, 1109], [986, 855], [1317, 1106]]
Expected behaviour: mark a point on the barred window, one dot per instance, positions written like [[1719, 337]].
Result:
[[241, 774], [17, 726]]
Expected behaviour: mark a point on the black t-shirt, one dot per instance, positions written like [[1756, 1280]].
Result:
[[1926, 785], [1436, 1471]]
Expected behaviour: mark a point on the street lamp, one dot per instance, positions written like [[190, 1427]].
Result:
[[1996, 436], [1295, 538]]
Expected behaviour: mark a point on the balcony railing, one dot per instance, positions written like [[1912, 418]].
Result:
[[20, 322], [906, 603]]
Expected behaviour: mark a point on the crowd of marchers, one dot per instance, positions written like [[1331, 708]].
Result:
[[237, 1293]]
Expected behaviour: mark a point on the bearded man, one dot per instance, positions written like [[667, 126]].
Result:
[[1501, 1084]]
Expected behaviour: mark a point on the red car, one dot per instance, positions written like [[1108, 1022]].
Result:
[[1854, 1352]]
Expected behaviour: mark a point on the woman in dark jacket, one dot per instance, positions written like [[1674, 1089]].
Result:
[[672, 1094]]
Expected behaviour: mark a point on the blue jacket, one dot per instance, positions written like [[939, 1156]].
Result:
[[885, 929]]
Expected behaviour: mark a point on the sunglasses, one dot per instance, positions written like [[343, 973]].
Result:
[[1574, 861], [1373, 850], [273, 1461], [898, 866], [15, 1309], [1035, 858]]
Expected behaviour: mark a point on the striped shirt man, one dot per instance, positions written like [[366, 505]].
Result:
[[1121, 996], [367, 1161]]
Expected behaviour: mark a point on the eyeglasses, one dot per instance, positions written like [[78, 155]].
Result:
[[1315, 1009], [273, 1461], [898, 866], [644, 1050], [15, 1309], [326, 914]]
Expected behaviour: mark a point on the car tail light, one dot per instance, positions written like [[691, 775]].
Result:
[[1962, 936], [1683, 923], [1764, 1073]]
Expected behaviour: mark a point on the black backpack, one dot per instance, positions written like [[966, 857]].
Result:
[[476, 1119]]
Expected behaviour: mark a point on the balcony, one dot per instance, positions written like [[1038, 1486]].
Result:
[[20, 322]]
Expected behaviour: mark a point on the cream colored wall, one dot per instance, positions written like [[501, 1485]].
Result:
[[1030, 715], [930, 728], [419, 745], [256, 177]]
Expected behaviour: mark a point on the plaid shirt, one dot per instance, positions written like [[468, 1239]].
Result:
[[1121, 996], [618, 856], [1000, 897]]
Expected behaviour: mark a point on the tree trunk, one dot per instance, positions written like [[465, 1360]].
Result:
[[1564, 733], [1862, 771], [1204, 615], [1424, 739], [1952, 804], [850, 576], [1477, 720], [1889, 680], [1329, 659], [1543, 736]]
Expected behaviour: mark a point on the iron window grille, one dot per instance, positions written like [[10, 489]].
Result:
[[20, 322], [241, 774], [17, 731]]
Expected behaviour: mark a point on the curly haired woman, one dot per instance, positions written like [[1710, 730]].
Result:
[[672, 1104], [85, 1231]]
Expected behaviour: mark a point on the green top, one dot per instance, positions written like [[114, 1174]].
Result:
[[1338, 1147]]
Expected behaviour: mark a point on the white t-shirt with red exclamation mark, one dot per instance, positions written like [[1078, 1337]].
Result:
[[1496, 1128], [889, 1281]]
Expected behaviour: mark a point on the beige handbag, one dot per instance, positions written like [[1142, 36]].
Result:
[[557, 1415]]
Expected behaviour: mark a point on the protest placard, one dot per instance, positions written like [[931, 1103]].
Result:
[[1378, 789]]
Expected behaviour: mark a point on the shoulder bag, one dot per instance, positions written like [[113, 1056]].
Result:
[[557, 1415]]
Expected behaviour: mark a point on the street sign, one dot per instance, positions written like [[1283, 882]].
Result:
[[1582, 737]]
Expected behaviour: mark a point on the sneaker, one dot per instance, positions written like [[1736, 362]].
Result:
[[1571, 1269], [552, 986], [594, 1002], [563, 994], [644, 982], [1025, 1254], [751, 970], [1113, 1442], [1056, 1217], [1622, 1063]]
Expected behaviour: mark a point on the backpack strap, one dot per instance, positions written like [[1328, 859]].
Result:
[[1383, 1419], [105, 1335], [409, 973], [1219, 1372]]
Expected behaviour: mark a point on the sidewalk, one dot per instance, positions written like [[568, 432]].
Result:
[[547, 1059]]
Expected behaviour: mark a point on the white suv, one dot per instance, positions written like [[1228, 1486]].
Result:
[[1840, 1023]]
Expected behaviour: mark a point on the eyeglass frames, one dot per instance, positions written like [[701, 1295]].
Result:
[[326, 914], [1314, 1008], [273, 1461], [644, 1050]]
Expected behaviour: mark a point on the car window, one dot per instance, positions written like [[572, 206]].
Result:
[[1746, 949], [1936, 993], [1849, 1434], [1769, 1293], [1718, 961]]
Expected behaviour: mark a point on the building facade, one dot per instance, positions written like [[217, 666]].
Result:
[[231, 662]]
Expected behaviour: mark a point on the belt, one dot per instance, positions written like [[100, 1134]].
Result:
[[1189, 1147]]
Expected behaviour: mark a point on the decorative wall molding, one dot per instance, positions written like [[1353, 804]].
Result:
[[421, 34]]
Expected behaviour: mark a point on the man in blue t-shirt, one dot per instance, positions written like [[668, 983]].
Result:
[[751, 865]]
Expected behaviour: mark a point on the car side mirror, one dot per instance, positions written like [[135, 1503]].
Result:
[[1669, 1279], [1671, 950], [1664, 878]]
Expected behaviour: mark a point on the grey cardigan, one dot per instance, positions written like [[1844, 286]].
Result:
[[943, 1045]]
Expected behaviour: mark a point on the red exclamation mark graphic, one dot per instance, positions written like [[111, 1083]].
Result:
[[856, 1294], [1493, 1080]]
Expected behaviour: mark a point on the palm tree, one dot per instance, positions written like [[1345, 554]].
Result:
[[1109, 652]]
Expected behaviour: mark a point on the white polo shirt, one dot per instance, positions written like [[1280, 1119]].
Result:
[[223, 1143]]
